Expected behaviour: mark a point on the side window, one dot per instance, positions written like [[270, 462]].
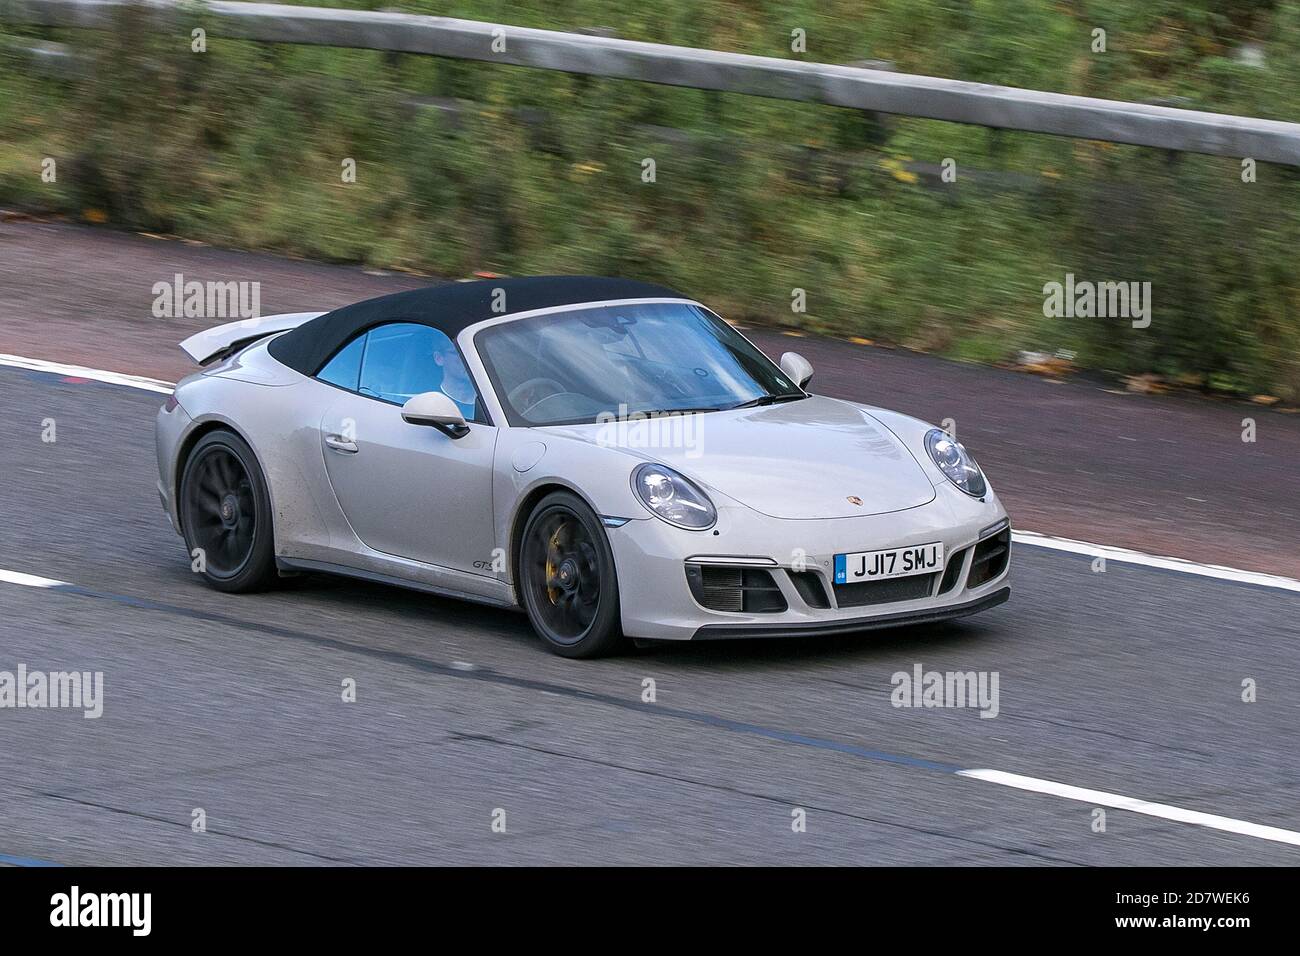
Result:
[[344, 369], [404, 359]]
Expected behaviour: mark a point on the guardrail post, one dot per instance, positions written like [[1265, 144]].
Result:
[[876, 127]]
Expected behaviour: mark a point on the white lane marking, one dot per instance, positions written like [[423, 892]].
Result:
[[29, 580], [1126, 556], [1120, 802], [94, 374], [1030, 538]]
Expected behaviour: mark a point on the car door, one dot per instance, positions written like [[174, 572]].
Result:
[[409, 490]]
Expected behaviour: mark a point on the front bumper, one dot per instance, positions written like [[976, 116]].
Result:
[[658, 603], [715, 632]]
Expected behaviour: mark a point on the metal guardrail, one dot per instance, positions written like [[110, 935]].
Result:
[[926, 97]]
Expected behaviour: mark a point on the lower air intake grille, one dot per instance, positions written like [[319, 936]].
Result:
[[883, 592], [952, 572], [810, 588], [990, 559], [751, 590]]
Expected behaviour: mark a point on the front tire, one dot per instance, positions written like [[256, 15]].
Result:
[[225, 513], [567, 580]]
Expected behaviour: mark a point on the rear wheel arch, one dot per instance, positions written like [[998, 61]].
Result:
[[187, 448], [224, 511]]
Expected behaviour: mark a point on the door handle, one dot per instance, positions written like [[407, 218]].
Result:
[[339, 443]]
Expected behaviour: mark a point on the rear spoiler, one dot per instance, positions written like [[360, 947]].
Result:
[[225, 340]]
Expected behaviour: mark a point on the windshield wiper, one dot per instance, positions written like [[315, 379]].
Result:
[[652, 412], [766, 400]]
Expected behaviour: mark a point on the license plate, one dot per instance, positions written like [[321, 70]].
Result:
[[890, 563]]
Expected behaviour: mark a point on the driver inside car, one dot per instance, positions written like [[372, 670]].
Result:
[[456, 384]]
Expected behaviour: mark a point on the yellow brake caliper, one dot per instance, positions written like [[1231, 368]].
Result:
[[552, 549]]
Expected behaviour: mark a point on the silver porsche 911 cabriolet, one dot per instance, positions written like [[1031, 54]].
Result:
[[608, 455]]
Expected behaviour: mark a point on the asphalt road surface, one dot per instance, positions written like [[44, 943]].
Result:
[[1127, 682]]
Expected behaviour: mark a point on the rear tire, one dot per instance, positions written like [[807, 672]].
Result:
[[225, 513], [567, 580]]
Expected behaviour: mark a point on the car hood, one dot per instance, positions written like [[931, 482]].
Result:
[[806, 459]]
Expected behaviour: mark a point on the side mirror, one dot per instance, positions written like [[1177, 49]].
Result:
[[797, 367], [437, 411]]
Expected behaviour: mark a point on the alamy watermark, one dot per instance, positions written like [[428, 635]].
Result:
[[206, 300], [1084, 299], [624, 429], [74, 690], [922, 688], [74, 908]]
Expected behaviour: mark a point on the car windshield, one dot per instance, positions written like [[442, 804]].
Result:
[[591, 364]]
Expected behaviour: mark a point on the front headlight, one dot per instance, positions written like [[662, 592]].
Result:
[[955, 462], [673, 497]]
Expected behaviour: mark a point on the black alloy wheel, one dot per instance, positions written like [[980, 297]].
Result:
[[225, 514], [567, 578]]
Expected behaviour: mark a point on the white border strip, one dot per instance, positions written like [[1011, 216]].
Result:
[[94, 374], [1120, 802], [1124, 555], [29, 580]]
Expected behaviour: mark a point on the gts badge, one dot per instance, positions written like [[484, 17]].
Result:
[[497, 565]]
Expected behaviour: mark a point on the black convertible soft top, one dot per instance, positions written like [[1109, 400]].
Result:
[[449, 308]]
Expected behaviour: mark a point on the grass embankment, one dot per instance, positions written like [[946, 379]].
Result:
[[534, 172]]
